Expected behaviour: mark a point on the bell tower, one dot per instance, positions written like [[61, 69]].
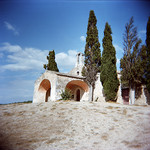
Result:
[[80, 59], [79, 65]]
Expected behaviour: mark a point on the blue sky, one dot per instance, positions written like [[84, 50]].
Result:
[[30, 28]]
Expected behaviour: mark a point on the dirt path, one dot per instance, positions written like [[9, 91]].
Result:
[[74, 125]]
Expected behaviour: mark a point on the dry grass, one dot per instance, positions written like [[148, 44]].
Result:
[[8, 114], [21, 113], [131, 120], [112, 128], [53, 140], [124, 112], [133, 144], [136, 146], [75, 108], [104, 113], [53, 108], [109, 107], [95, 143], [70, 125], [115, 120], [126, 142], [129, 116], [104, 136]]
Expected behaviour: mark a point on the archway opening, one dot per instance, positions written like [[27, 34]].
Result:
[[125, 95], [45, 90], [78, 88]]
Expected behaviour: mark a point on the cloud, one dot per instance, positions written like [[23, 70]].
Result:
[[118, 61], [19, 58], [118, 64], [66, 61], [82, 38], [142, 32], [10, 27], [118, 48], [20, 85], [10, 48]]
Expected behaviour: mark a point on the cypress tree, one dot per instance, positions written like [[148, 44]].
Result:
[[92, 53], [142, 63], [108, 74], [133, 62], [148, 55], [52, 65]]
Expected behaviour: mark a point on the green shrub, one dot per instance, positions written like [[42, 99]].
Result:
[[66, 95]]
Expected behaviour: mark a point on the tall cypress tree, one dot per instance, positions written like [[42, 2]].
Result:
[[52, 65], [132, 64], [92, 53], [108, 74], [142, 56], [148, 55]]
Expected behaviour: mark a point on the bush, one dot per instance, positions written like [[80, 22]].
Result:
[[66, 95]]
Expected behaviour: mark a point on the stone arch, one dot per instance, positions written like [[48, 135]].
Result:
[[45, 90], [78, 88]]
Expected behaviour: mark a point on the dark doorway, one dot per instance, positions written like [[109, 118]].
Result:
[[78, 95], [125, 95], [47, 94]]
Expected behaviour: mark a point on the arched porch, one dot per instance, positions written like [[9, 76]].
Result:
[[79, 89], [44, 90]]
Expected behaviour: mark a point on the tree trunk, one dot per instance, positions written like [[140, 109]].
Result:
[[91, 93], [132, 95]]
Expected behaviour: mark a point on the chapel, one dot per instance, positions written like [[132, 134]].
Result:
[[49, 86]]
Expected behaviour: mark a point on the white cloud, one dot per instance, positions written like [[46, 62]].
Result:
[[10, 48], [142, 32], [15, 67], [118, 48], [118, 61], [118, 64], [10, 27], [66, 61], [72, 53], [82, 38], [23, 58], [20, 86], [19, 58]]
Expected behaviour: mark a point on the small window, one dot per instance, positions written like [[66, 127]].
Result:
[[77, 72]]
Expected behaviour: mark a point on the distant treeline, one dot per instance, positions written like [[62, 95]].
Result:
[[24, 102]]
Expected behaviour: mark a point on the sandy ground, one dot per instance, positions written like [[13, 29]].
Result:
[[74, 126]]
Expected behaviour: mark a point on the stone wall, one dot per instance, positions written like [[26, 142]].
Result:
[[58, 83], [98, 91], [63, 82], [39, 96]]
